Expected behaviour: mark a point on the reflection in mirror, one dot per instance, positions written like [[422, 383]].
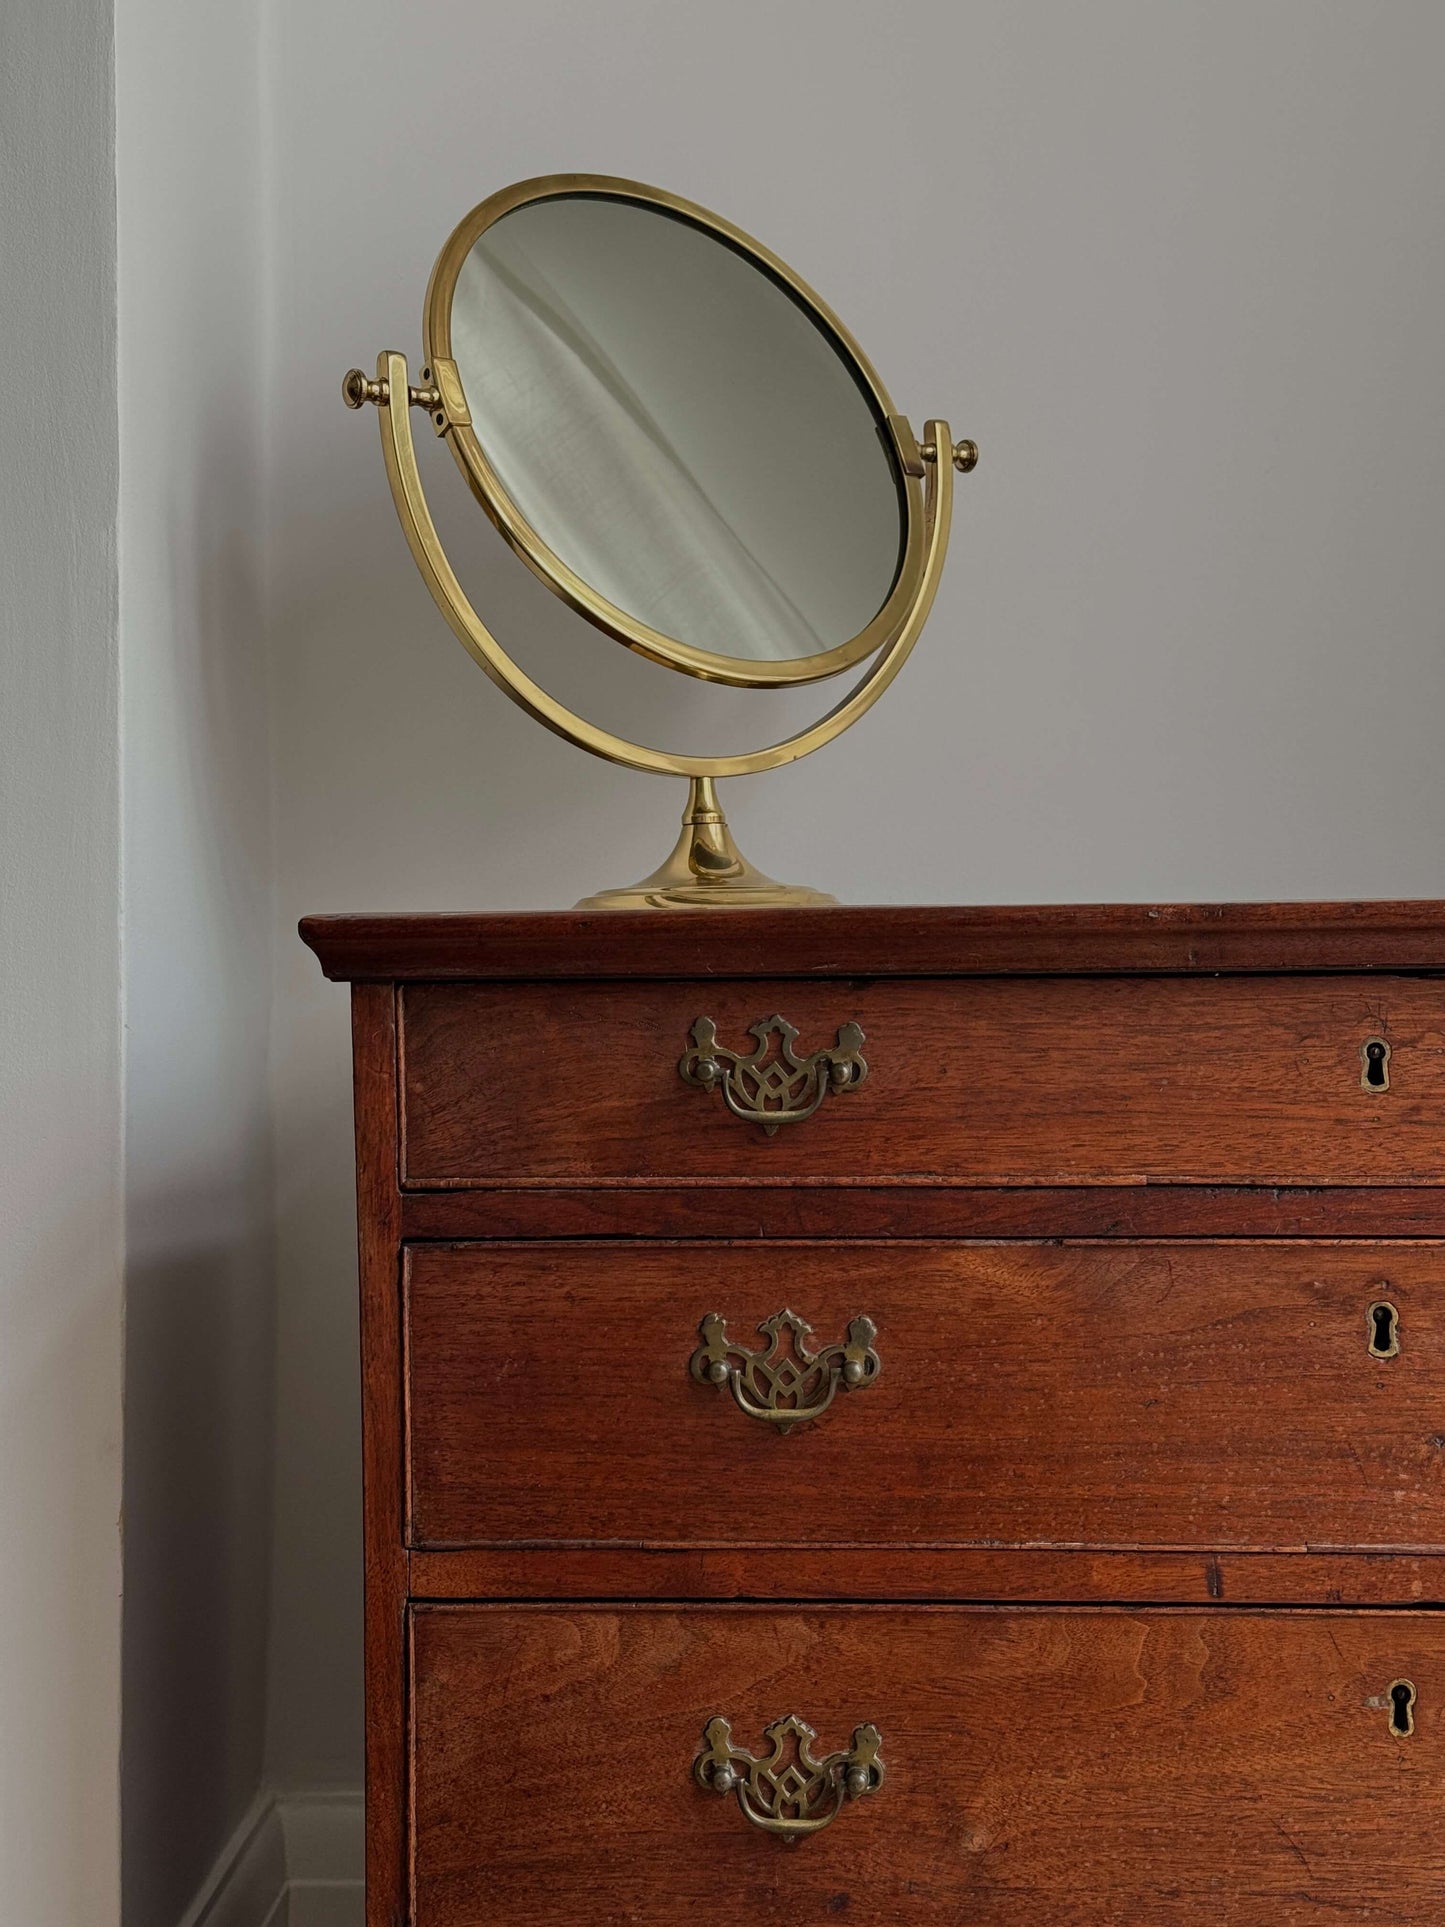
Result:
[[677, 429]]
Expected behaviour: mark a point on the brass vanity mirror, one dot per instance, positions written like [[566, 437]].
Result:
[[685, 444]]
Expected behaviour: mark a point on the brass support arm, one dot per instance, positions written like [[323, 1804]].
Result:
[[404, 477]]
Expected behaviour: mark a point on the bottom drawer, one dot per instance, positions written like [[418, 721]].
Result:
[[1032, 1767]]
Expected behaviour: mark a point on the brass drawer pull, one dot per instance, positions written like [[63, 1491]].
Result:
[[789, 1791], [786, 1382], [772, 1086]]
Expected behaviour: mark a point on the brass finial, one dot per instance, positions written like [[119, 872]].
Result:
[[965, 455], [357, 389]]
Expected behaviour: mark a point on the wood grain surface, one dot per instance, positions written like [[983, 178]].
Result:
[[887, 940], [967, 1575], [1118, 1202], [1068, 1768], [373, 1022], [1073, 1081], [904, 1211], [1158, 1395]]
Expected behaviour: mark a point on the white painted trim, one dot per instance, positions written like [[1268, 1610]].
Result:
[[324, 1831], [295, 1861], [247, 1885]]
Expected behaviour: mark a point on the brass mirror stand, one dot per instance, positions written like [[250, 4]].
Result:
[[705, 869]]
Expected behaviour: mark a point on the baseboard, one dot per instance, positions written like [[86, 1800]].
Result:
[[294, 1861], [324, 1831], [247, 1885]]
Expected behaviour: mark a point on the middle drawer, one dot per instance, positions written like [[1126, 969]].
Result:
[[1254, 1396]]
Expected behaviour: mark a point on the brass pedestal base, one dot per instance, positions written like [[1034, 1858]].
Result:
[[706, 870]]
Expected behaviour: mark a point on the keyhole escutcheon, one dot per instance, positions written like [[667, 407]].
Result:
[[1402, 1708], [1374, 1065], [1382, 1322]]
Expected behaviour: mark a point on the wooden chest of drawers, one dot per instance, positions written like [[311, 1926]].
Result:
[[932, 1416]]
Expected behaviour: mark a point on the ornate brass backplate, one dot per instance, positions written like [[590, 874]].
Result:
[[774, 1083], [789, 1791], [785, 1383]]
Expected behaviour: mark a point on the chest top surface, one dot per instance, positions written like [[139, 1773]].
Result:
[[884, 941]]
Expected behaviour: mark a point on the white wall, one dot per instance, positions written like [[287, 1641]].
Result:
[[1178, 268], [60, 1068], [200, 1297]]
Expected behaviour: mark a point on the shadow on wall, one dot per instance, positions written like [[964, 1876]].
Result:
[[197, 1392], [200, 1341], [315, 1723]]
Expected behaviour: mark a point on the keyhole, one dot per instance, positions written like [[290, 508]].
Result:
[[1402, 1708], [1375, 1058], [1384, 1327]]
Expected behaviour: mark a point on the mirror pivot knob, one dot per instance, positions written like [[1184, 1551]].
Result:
[[358, 388]]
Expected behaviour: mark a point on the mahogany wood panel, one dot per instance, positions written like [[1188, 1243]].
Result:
[[971, 1574], [887, 940], [1222, 1080], [373, 1019], [1159, 1395], [1194, 1426], [741, 1210], [1074, 1768]]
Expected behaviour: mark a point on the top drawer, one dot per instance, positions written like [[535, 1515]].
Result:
[[1070, 1080]]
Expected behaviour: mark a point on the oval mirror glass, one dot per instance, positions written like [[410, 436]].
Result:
[[669, 425]]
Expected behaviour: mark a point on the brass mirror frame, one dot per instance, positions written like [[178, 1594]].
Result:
[[393, 396], [705, 867], [544, 561]]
